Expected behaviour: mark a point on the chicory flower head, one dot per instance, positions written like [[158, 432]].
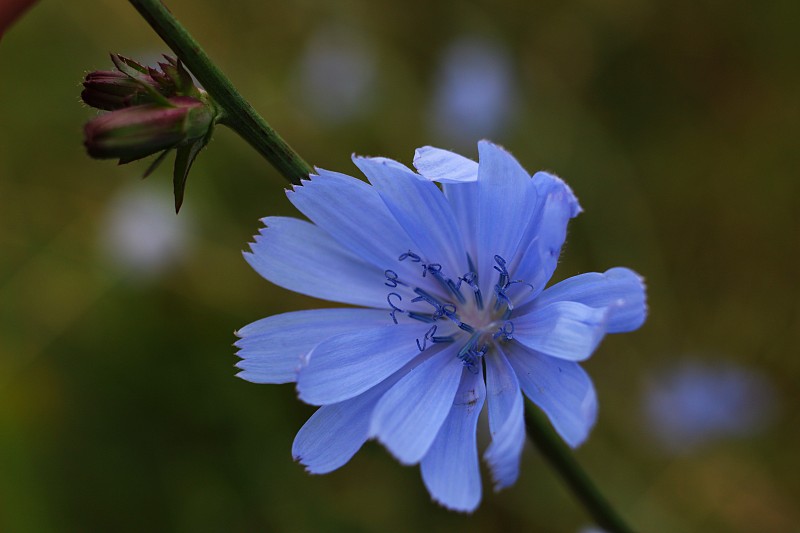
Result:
[[455, 315]]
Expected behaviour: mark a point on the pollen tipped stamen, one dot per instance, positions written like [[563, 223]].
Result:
[[422, 317], [448, 284], [471, 342], [469, 356], [391, 279], [506, 332], [466, 327]]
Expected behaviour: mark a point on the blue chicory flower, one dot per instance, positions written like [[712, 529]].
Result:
[[455, 315]]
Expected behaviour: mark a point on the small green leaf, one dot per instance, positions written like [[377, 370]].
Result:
[[183, 162]]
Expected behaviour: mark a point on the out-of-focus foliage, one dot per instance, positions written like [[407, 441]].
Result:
[[676, 123]]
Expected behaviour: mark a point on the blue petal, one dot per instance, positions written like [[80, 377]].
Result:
[[551, 185], [463, 199], [408, 417], [271, 348], [562, 389], [346, 365], [619, 289], [567, 330], [444, 166], [505, 201], [450, 469], [301, 257], [421, 208], [333, 435], [506, 421], [353, 213], [537, 258], [336, 432]]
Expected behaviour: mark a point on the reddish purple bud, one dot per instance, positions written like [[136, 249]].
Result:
[[135, 84], [135, 132], [110, 89]]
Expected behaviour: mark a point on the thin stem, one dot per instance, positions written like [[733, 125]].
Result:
[[563, 461], [238, 114]]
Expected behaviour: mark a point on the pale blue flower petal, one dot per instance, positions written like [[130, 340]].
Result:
[[459, 177], [333, 434], [301, 257], [354, 214], [506, 421], [544, 236], [419, 206], [408, 417], [505, 201], [450, 469], [619, 289], [548, 184], [337, 431], [463, 199], [346, 365], [567, 330], [444, 166], [271, 348], [562, 389]]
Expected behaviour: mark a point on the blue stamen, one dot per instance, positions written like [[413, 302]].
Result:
[[448, 284], [506, 331], [471, 279], [432, 268], [410, 255], [501, 267], [451, 285], [466, 327], [468, 346], [395, 309], [502, 285], [422, 317], [502, 298], [426, 297], [391, 278], [430, 335], [469, 356]]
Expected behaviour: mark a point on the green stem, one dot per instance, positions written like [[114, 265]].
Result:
[[238, 114], [563, 461]]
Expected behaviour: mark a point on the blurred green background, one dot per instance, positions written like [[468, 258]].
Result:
[[675, 122]]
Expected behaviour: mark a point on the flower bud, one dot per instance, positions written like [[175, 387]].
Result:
[[135, 132], [151, 110], [110, 90]]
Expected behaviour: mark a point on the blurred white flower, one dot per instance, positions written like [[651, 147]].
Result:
[[475, 95], [336, 74], [698, 402], [141, 233]]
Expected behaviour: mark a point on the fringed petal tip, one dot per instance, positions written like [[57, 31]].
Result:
[[465, 509], [310, 469], [547, 183], [504, 474]]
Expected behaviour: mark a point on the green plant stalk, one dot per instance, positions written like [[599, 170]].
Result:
[[561, 458], [242, 118], [238, 114]]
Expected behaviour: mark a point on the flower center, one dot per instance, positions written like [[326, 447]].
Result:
[[455, 315]]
